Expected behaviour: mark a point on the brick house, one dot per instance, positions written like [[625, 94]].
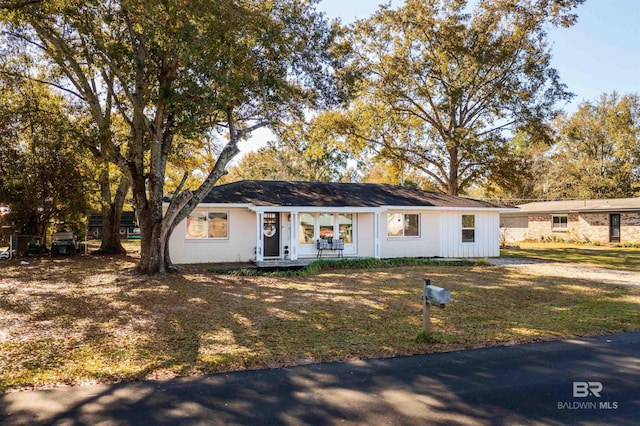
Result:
[[602, 221]]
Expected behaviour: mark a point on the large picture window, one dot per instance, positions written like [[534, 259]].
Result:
[[560, 223], [326, 226], [468, 228], [307, 226], [403, 225], [208, 225]]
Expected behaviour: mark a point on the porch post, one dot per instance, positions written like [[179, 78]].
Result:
[[293, 252], [376, 235], [259, 252]]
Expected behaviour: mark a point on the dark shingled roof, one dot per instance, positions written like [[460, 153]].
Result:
[[331, 194]]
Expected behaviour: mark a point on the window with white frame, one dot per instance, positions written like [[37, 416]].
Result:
[[208, 225], [307, 228], [468, 228], [327, 226], [560, 222], [403, 225]]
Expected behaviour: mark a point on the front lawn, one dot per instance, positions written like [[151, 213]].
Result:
[[605, 257], [88, 319]]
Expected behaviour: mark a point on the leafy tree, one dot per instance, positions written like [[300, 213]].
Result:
[[438, 85], [42, 177], [519, 174], [597, 154], [198, 70]]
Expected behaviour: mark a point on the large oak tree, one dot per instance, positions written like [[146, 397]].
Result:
[[441, 83], [207, 70]]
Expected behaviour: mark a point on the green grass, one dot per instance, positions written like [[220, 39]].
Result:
[[606, 257], [90, 320], [318, 266]]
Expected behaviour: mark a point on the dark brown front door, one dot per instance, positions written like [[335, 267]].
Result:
[[271, 234], [614, 228]]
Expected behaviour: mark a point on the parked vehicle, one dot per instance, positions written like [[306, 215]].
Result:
[[35, 247], [64, 243]]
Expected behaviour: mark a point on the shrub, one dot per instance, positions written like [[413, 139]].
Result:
[[364, 263]]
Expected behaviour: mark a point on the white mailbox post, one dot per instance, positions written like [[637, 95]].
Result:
[[433, 295]]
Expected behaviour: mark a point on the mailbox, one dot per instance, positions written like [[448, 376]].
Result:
[[436, 295]]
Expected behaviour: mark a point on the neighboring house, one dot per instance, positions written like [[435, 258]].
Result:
[[602, 221], [264, 220], [128, 225]]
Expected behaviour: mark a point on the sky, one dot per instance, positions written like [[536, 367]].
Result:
[[600, 54]]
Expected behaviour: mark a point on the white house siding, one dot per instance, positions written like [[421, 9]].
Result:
[[427, 244], [238, 247], [487, 230], [366, 237]]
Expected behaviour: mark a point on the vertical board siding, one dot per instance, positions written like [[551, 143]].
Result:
[[487, 235]]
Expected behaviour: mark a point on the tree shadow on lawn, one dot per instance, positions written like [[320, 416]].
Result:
[[98, 323], [485, 386]]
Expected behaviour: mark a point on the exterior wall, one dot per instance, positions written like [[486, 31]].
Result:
[[425, 245], [540, 227], [630, 227], [238, 247], [591, 227], [487, 233], [594, 227], [440, 236], [514, 228], [365, 235]]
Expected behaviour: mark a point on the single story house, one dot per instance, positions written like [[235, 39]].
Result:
[[280, 220], [602, 221]]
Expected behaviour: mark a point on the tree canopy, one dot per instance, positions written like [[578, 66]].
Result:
[[43, 175], [199, 70], [439, 82]]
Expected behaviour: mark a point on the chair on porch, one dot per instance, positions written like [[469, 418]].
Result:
[[335, 245]]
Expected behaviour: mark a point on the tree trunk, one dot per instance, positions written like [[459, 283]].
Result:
[[152, 245], [110, 243], [111, 214]]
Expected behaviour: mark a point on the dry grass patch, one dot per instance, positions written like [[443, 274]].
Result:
[[87, 320]]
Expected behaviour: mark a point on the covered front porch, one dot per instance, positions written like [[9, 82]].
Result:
[[290, 234]]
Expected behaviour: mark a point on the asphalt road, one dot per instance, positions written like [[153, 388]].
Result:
[[527, 384]]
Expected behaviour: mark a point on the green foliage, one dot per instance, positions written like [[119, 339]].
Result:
[[594, 155], [598, 151], [627, 245], [438, 85], [43, 174], [203, 71], [319, 266]]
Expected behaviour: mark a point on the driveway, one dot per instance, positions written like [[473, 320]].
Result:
[[577, 381], [569, 270]]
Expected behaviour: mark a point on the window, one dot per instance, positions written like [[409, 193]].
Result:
[[468, 228], [403, 225], [345, 228], [307, 224], [326, 226], [560, 222], [207, 225]]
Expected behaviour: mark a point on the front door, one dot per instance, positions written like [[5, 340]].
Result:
[[271, 234], [614, 228]]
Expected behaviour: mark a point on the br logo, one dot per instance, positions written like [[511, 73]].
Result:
[[585, 389]]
